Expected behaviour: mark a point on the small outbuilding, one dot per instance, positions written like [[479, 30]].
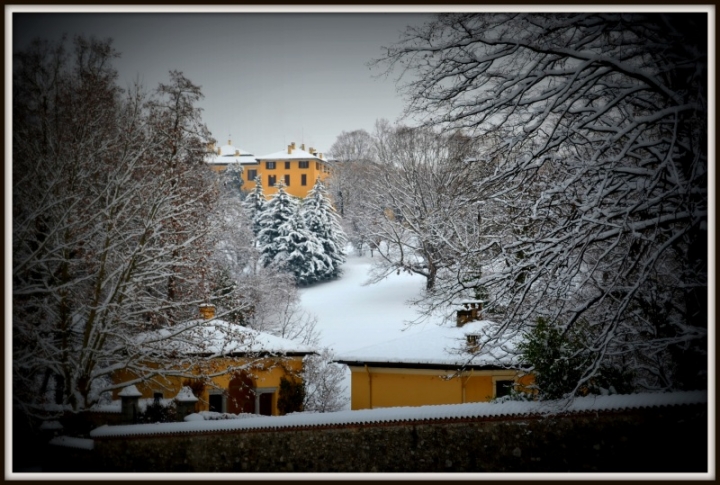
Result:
[[440, 365], [230, 368]]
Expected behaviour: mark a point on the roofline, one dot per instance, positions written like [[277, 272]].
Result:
[[292, 157], [258, 354], [419, 365]]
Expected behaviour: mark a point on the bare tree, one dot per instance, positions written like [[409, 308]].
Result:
[[352, 152], [274, 304], [603, 126], [423, 188], [111, 229], [324, 389]]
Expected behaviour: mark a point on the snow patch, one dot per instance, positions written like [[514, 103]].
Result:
[[71, 442]]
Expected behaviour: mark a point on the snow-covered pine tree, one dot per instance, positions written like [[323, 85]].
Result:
[[254, 205], [299, 251], [321, 220], [278, 210]]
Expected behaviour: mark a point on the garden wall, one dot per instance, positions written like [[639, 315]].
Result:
[[668, 439]]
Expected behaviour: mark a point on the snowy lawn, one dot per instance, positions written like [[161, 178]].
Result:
[[352, 316]]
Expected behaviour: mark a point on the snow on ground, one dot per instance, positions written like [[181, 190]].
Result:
[[72, 442], [351, 316]]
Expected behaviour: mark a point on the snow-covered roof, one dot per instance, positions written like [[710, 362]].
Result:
[[439, 345], [218, 337], [230, 154], [297, 154], [482, 410], [130, 391]]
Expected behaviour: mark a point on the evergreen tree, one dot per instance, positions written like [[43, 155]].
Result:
[[254, 205], [299, 252], [280, 209], [322, 221]]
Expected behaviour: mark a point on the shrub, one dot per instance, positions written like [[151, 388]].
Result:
[[291, 396]]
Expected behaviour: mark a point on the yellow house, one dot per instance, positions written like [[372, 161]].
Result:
[[296, 167], [245, 367], [440, 365]]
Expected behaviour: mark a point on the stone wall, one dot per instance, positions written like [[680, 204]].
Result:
[[670, 439]]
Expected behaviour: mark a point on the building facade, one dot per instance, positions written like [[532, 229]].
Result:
[[296, 167]]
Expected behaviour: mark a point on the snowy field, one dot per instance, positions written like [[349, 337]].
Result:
[[352, 315]]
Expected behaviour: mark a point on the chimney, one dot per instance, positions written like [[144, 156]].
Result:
[[229, 142], [290, 149], [319, 155], [471, 313], [311, 150], [218, 150], [237, 152], [293, 145], [302, 147], [207, 311]]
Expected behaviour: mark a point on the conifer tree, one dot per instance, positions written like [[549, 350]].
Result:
[[299, 252], [322, 221], [280, 209], [254, 205]]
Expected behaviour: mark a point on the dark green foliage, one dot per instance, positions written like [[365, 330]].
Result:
[[291, 396], [158, 413], [560, 358]]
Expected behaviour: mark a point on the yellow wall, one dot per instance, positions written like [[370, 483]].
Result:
[[266, 373], [315, 169], [373, 387]]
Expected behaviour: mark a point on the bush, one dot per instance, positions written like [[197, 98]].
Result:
[[157, 412], [291, 396], [559, 360]]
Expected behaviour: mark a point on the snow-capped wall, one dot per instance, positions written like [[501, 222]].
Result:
[[603, 434]]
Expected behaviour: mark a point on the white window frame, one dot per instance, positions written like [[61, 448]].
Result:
[[262, 390]]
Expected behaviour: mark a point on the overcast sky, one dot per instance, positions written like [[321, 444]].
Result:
[[268, 78]]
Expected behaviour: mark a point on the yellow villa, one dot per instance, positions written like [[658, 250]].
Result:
[[439, 365], [257, 362], [296, 167]]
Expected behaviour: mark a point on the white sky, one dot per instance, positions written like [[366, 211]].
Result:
[[268, 78]]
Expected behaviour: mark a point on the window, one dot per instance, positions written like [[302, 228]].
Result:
[[271, 180], [503, 388], [304, 164], [266, 404], [215, 403], [252, 174], [270, 165], [264, 400], [317, 165], [157, 396], [287, 165], [287, 180], [303, 179]]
